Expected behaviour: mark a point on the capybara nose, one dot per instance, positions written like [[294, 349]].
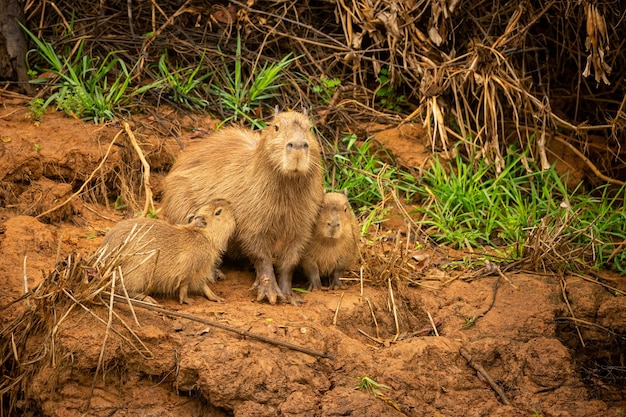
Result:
[[299, 145]]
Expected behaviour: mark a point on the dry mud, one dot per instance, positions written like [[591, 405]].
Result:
[[171, 366]]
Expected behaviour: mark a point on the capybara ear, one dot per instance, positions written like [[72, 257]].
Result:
[[200, 221], [276, 111], [345, 192], [305, 111]]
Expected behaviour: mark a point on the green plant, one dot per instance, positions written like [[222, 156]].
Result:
[[37, 108], [37, 147], [370, 385], [183, 83], [327, 88], [119, 203], [469, 322], [468, 205], [87, 87], [241, 94], [363, 171], [387, 94]]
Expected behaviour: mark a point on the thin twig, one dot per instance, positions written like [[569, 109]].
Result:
[[478, 367], [149, 204], [394, 310], [373, 317], [432, 323], [569, 307], [225, 327], [104, 342], [337, 309]]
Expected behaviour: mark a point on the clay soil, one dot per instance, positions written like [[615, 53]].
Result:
[[527, 342]]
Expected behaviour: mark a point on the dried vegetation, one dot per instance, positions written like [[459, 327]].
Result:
[[485, 73]]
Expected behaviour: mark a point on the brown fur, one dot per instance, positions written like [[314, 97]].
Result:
[[273, 178], [157, 257], [333, 246]]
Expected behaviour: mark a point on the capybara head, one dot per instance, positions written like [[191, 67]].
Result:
[[216, 218], [290, 143], [335, 218]]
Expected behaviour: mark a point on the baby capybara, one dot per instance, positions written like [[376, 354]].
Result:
[[157, 257], [273, 179], [333, 246]]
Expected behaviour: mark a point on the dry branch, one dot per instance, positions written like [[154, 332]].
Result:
[[487, 74], [225, 327], [479, 368]]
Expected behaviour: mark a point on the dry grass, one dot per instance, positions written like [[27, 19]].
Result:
[[484, 73]]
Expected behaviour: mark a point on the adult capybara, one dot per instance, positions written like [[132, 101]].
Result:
[[157, 257], [273, 179], [334, 244]]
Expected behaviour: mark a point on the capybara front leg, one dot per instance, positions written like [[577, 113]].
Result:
[[265, 282]]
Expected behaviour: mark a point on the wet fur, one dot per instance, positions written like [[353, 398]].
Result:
[[183, 257], [275, 191]]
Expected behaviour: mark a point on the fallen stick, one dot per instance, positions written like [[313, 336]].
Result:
[[240, 332], [149, 204], [485, 375]]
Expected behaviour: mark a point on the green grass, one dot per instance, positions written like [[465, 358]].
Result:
[[468, 206], [370, 385], [464, 203], [183, 85], [241, 94], [88, 88], [360, 169]]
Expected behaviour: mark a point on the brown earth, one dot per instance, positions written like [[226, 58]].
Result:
[[172, 366]]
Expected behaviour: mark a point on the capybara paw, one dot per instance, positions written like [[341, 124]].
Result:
[[146, 299], [294, 300], [217, 299], [219, 275], [267, 289], [337, 286]]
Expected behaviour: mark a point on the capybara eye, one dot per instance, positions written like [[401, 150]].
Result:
[[276, 127], [218, 211], [191, 217], [289, 146], [306, 146]]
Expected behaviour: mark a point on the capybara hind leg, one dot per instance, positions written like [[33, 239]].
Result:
[[313, 274], [182, 294], [210, 295], [265, 282], [336, 284]]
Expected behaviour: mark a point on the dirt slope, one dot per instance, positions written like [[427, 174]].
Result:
[[173, 366]]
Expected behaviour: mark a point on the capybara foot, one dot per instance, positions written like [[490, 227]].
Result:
[[294, 299], [315, 285], [267, 289], [219, 275], [337, 285], [147, 299], [210, 295]]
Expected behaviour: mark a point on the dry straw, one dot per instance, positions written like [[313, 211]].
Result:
[[485, 73]]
